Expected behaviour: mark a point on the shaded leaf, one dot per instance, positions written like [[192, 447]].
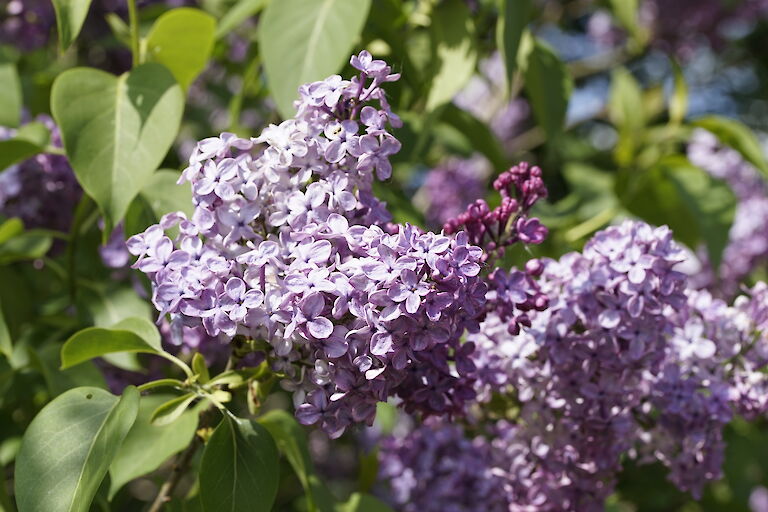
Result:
[[363, 503], [10, 96], [68, 447], [240, 467], [513, 18], [147, 446], [170, 411]]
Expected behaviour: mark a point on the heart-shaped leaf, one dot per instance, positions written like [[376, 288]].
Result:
[[129, 335], [116, 130], [69, 446], [182, 40], [240, 468], [306, 40]]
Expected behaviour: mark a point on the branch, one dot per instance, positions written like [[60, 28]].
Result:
[[180, 466]]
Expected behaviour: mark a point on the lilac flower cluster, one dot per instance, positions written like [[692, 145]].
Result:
[[287, 245], [625, 362], [450, 187], [435, 467], [493, 230], [41, 191], [748, 238]]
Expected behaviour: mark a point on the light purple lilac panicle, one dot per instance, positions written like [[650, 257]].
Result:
[[288, 245], [626, 361]]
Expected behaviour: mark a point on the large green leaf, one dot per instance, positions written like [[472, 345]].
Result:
[[182, 40], [697, 207], [547, 84], [512, 21], [307, 40], [104, 306], [454, 51], [240, 468], [10, 96], [116, 130], [147, 446], [129, 335], [239, 12], [68, 447], [736, 135], [70, 15]]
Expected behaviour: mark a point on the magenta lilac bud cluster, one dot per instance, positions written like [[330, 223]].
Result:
[[494, 229]]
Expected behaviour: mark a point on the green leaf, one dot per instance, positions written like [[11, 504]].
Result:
[[6, 344], [70, 15], [11, 228], [104, 306], [29, 245], [200, 368], [159, 196], [736, 135], [129, 335], [363, 503], [13, 151], [477, 134], [119, 28], [625, 106], [10, 96], [47, 361], [182, 40], [697, 207], [116, 130], [307, 40], [626, 12], [170, 411], [68, 447], [240, 468], [239, 12], [513, 18], [678, 102], [454, 51], [292, 443], [147, 446], [547, 84]]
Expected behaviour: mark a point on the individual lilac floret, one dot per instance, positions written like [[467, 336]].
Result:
[[493, 230], [452, 186], [41, 191], [288, 245]]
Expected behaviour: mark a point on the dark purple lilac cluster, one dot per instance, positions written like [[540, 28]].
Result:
[[41, 191], [288, 245], [626, 361], [509, 223]]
